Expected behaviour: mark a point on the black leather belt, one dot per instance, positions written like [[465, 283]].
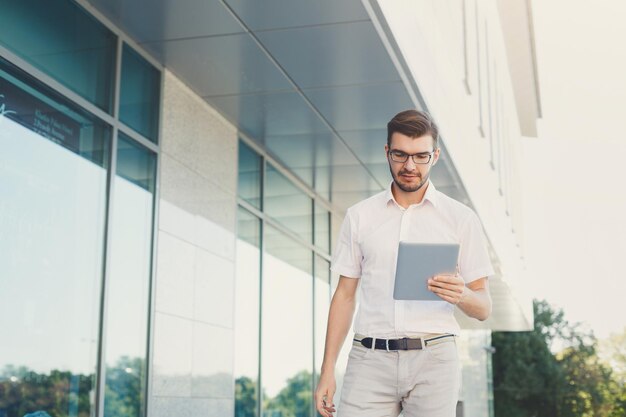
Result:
[[402, 344]]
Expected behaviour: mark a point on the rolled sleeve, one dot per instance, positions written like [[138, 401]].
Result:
[[474, 260], [346, 259]]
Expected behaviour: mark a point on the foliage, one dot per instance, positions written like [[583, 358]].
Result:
[[245, 397], [124, 389], [530, 380], [23, 391], [295, 400], [613, 351], [62, 393]]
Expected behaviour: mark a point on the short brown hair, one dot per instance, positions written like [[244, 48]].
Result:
[[413, 123]]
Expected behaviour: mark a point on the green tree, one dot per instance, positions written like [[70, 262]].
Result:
[[295, 400], [613, 352], [124, 390], [526, 376], [530, 380], [589, 389], [245, 397], [62, 393], [23, 391]]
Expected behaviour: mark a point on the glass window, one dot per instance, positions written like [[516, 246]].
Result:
[[287, 321], [249, 186], [288, 204], [322, 228], [247, 311], [129, 280], [64, 41], [53, 166], [140, 94]]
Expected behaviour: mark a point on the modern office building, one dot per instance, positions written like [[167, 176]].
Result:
[[173, 175]]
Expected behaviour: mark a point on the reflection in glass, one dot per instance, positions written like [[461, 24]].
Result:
[[139, 94], [53, 169], [322, 228], [322, 304], [64, 41], [477, 391], [129, 280], [249, 186], [287, 333], [288, 204], [247, 293]]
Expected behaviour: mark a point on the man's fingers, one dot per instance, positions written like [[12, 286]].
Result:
[[456, 287], [446, 292], [324, 403], [452, 279]]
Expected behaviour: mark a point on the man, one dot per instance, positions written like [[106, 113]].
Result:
[[404, 355]]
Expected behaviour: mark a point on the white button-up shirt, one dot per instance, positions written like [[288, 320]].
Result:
[[367, 248]]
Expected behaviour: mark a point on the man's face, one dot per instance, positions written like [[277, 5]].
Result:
[[410, 176]]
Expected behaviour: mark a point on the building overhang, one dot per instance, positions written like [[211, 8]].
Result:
[[313, 83]]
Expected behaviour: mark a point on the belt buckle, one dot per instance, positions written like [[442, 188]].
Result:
[[387, 344]]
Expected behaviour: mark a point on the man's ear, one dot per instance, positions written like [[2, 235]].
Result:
[[436, 156]]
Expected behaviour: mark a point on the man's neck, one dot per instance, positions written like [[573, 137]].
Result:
[[405, 199]]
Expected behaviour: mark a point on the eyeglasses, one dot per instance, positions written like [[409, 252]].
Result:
[[418, 158]]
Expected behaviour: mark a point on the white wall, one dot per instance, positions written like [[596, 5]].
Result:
[[193, 323]]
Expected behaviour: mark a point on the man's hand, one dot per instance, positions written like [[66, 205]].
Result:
[[324, 394], [450, 288]]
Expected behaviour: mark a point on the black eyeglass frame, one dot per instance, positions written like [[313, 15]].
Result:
[[413, 155]]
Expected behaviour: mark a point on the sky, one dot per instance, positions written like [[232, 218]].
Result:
[[574, 196]]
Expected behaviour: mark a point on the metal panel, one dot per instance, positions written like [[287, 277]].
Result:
[[361, 107], [231, 64], [307, 154], [272, 14], [262, 115], [319, 56], [368, 144], [150, 20]]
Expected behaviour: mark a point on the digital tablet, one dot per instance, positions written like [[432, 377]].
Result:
[[417, 262]]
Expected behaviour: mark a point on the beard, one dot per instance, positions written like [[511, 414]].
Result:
[[409, 188]]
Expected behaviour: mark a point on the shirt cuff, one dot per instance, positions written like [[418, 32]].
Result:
[[346, 271], [478, 273]]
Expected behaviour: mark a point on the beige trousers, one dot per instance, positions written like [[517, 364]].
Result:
[[419, 383]]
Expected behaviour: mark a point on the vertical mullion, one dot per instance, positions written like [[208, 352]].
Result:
[[101, 362], [489, 112], [153, 254], [261, 225], [478, 73], [499, 135], [151, 290], [465, 60], [313, 309], [101, 370]]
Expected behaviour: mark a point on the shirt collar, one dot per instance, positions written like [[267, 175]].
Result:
[[431, 194]]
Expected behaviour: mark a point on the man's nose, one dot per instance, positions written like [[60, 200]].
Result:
[[410, 164]]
